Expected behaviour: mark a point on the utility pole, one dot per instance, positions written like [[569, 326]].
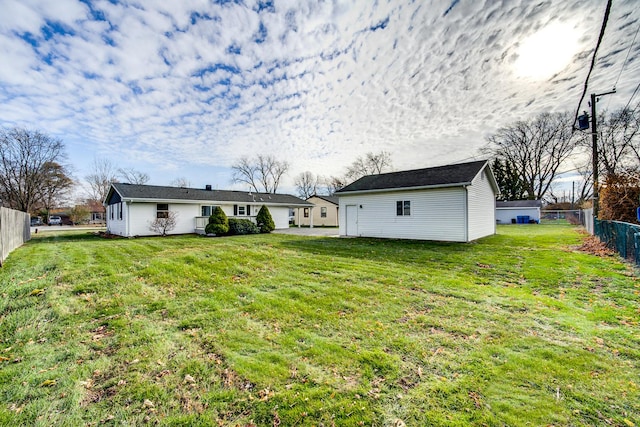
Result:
[[594, 150]]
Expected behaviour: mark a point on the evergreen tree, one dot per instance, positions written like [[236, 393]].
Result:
[[265, 221], [511, 185], [218, 222]]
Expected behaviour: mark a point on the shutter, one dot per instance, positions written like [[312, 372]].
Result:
[[248, 210], [235, 210]]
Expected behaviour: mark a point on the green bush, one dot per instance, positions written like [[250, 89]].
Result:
[[265, 221], [218, 223], [242, 226]]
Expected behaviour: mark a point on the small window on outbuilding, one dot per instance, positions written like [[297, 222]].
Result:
[[323, 212], [162, 210], [403, 208], [306, 212]]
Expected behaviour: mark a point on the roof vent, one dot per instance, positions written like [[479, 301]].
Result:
[[207, 187]]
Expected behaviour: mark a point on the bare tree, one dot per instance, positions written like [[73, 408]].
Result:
[[618, 140], [306, 184], [369, 164], [164, 225], [333, 184], [585, 188], [181, 182], [55, 185], [100, 179], [262, 174], [133, 176], [536, 149], [24, 156]]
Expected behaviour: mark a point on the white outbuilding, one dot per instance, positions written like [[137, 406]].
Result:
[[453, 203], [518, 212]]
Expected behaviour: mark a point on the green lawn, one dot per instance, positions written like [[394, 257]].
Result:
[[517, 329]]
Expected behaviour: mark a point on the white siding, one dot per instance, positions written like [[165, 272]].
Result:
[[505, 215], [136, 217], [481, 207], [436, 214], [280, 216], [116, 225], [143, 214]]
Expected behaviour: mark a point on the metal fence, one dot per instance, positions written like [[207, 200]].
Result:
[[14, 231], [575, 216], [620, 236]]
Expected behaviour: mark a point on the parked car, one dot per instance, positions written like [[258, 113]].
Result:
[[55, 220], [35, 221]]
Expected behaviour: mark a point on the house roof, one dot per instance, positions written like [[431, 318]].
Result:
[[440, 176], [134, 192], [330, 199], [520, 204]]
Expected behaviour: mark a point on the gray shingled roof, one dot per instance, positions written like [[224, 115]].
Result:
[[330, 199], [520, 204], [440, 176], [155, 192]]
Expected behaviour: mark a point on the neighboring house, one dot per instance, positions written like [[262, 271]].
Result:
[[324, 212], [130, 208], [448, 203], [96, 211], [518, 211]]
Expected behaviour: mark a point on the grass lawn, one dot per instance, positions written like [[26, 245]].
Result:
[[520, 328]]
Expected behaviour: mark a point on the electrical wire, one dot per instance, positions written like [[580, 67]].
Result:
[[627, 57], [615, 85], [632, 96], [593, 61]]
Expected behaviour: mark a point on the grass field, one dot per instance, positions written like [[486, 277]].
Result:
[[520, 328]]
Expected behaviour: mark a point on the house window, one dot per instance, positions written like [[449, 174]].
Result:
[[162, 210], [242, 210], [120, 211], [323, 212], [306, 212], [207, 210], [403, 207]]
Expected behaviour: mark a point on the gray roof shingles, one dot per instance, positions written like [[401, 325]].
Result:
[[457, 174], [146, 192], [519, 204]]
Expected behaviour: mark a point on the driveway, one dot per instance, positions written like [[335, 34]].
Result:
[[306, 231]]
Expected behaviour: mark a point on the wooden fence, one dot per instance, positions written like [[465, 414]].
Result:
[[14, 231]]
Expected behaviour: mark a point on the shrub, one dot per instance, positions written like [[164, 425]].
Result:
[[164, 226], [265, 221], [218, 223], [242, 226]]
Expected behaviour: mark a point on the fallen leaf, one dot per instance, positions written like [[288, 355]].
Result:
[[48, 383]]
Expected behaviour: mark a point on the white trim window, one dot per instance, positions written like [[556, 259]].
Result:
[[323, 212], [162, 210], [403, 208]]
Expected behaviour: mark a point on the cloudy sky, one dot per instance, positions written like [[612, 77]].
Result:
[[185, 88]]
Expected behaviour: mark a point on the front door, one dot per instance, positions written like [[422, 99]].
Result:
[[352, 220]]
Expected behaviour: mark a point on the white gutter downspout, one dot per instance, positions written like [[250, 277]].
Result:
[[466, 213]]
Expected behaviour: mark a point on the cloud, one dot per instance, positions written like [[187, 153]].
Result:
[[196, 84]]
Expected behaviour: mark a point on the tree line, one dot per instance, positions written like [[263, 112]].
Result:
[[527, 157]]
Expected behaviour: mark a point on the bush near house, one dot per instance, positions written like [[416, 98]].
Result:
[[242, 226], [265, 220], [218, 223]]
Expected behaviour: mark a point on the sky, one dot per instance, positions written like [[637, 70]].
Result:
[[185, 88]]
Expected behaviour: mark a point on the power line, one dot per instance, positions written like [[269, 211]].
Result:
[[625, 61], [632, 96], [627, 57], [593, 60]]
